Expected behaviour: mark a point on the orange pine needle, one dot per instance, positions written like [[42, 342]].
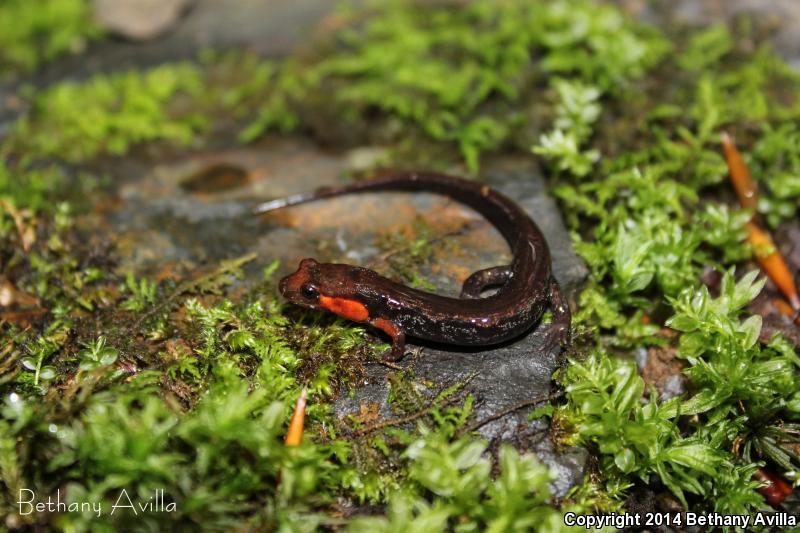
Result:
[[746, 187], [769, 258], [783, 307], [295, 433], [773, 264]]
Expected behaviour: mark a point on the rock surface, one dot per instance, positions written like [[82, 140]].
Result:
[[138, 20]]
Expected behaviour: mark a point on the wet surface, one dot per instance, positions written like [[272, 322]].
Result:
[[198, 208]]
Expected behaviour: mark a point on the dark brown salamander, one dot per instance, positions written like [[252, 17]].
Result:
[[526, 286]]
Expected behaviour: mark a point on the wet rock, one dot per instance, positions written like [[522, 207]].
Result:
[[138, 20], [502, 377], [569, 466], [197, 208]]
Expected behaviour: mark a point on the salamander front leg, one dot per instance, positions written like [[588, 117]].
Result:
[[481, 280], [398, 339], [558, 333]]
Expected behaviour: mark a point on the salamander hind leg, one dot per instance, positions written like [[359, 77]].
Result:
[[398, 339], [481, 280], [558, 333]]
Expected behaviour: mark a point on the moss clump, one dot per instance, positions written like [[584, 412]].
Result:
[[33, 32], [648, 218], [468, 79], [460, 77], [108, 114]]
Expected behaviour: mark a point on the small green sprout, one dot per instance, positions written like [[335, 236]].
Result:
[[97, 354], [143, 293], [34, 364], [564, 149]]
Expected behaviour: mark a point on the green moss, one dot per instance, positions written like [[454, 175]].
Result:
[[404, 256], [729, 370], [33, 32], [776, 164], [457, 475], [109, 113], [648, 219], [459, 77], [230, 371]]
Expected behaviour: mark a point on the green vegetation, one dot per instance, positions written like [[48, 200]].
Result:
[[740, 385], [776, 160], [114, 381], [33, 32], [648, 222], [179, 415], [458, 473], [116, 112], [426, 73], [459, 77]]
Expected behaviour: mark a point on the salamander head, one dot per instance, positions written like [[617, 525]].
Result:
[[326, 286]]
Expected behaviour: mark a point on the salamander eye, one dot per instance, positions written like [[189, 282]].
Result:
[[309, 291]]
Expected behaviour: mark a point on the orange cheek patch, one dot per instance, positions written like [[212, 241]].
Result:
[[349, 309]]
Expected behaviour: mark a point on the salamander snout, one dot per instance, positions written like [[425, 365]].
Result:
[[301, 287]]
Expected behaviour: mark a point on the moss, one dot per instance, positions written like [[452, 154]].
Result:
[[35, 32], [109, 113], [407, 252], [458, 77], [648, 219]]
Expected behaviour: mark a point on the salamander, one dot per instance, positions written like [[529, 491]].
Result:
[[525, 287]]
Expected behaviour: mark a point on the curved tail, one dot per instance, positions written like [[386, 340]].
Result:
[[286, 201], [503, 213], [398, 181]]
